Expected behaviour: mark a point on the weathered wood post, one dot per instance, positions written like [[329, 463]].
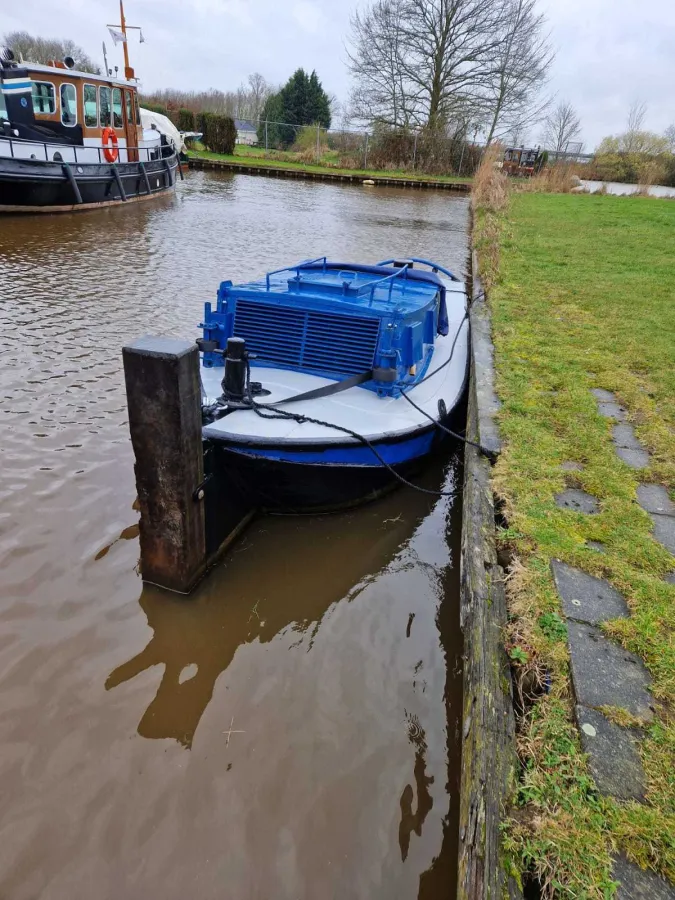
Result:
[[164, 402]]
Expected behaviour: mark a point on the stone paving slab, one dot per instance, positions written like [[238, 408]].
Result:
[[586, 598], [637, 884], [670, 578], [577, 500], [598, 546], [624, 436], [571, 466], [654, 498], [664, 531], [602, 394], [611, 410], [613, 756], [604, 674], [636, 459]]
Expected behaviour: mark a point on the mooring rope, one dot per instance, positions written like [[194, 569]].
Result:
[[269, 411]]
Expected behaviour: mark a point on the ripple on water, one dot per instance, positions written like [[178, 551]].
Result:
[[281, 733]]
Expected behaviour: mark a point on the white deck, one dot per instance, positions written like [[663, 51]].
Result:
[[357, 408]]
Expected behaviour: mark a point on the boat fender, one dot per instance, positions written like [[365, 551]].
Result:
[[109, 141]]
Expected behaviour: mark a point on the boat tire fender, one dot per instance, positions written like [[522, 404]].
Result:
[[110, 148]]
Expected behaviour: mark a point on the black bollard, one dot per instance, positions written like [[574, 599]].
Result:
[[164, 402]]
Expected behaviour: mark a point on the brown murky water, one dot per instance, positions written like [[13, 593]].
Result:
[[290, 731]]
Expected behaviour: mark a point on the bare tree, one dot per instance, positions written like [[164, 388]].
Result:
[[449, 47], [256, 95], [669, 135], [636, 115], [44, 50], [423, 62], [561, 127], [375, 60], [633, 136], [520, 66]]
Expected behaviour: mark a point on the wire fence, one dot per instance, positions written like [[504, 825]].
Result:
[[376, 148]]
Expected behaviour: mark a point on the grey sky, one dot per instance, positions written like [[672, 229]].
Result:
[[610, 52]]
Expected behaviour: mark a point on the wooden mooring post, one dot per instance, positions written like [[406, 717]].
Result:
[[164, 403]]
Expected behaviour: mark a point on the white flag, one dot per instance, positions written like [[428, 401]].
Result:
[[118, 36]]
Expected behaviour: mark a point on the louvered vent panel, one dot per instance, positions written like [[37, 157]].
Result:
[[307, 339]]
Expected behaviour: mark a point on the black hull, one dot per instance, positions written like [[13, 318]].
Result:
[[28, 185], [277, 486]]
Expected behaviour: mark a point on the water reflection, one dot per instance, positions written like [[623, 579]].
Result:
[[306, 650], [413, 821], [242, 602]]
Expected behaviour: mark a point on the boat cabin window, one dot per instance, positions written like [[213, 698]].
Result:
[[118, 121], [68, 105], [130, 108], [90, 106], [138, 111], [44, 98], [104, 104]]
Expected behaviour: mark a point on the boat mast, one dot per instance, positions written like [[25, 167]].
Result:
[[128, 71]]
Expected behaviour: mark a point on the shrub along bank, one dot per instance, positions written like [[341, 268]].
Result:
[[581, 292], [219, 133]]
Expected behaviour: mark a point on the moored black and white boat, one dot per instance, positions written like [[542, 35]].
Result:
[[324, 381], [73, 140]]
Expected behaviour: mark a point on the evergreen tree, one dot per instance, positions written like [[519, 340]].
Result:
[[318, 107], [295, 95], [272, 113], [301, 101]]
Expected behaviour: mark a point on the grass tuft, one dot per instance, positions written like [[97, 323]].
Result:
[[581, 290]]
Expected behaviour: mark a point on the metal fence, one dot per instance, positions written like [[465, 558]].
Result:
[[363, 148], [377, 148]]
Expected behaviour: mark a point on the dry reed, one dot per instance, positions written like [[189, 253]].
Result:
[[556, 179], [489, 200], [490, 184]]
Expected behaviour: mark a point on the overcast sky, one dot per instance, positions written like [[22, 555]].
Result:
[[609, 52]]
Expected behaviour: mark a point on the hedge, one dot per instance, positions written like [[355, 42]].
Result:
[[219, 134]]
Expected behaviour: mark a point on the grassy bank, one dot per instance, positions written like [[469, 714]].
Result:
[[253, 156], [581, 291]]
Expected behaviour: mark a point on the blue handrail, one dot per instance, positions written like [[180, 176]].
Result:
[[365, 287], [390, 278], [296, 268], [425, 262]]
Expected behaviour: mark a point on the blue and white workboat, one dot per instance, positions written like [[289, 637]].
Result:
[[324, 380]]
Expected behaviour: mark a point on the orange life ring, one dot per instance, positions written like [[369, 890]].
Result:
[[109, 141]]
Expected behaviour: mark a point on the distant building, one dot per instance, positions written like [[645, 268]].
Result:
[[246, 132]]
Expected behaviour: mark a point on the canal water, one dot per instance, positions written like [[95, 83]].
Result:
[[292, 729], [622, 189]]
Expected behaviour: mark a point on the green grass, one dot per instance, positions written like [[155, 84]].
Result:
[[275, 159], [582, 296]]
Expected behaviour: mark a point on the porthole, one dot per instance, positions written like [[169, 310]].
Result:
[[80, 170], [57, 157]]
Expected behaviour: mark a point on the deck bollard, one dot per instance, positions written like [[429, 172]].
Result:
[[164, 403]]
